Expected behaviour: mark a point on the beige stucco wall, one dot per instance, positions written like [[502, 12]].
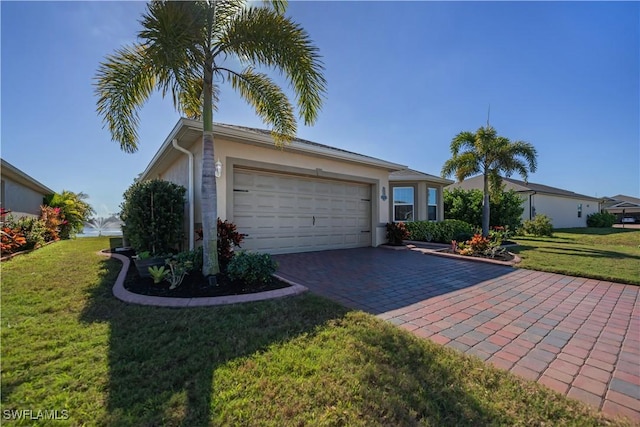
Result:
[[236, 154], [21, 200], [563, 211]]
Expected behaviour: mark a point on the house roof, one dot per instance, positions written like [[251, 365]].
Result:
[[13, 173], [414, 175], [619, 202], [521, 187], [189, 130], [622, 198]]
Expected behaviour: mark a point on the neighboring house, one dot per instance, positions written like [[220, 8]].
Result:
[[565, 208], [303, 197], [625, 208], [20, 193]]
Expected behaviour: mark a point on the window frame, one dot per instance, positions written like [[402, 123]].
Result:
[[394, 203], [434, 204]]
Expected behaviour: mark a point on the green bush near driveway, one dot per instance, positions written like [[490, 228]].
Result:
[[439, 232]]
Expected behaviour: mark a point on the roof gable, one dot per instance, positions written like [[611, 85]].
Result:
[[192, 129], [414, 175]]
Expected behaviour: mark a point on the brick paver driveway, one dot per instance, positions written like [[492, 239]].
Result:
[[577, 336]]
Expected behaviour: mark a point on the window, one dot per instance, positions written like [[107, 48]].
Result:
[[432, 204], [403, 204], [580, 210]]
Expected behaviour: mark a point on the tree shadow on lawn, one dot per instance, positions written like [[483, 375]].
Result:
[[582, 252], [161, 360], [594, 231]]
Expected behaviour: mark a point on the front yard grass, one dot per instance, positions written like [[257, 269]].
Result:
[[69, 345], [599, 253]]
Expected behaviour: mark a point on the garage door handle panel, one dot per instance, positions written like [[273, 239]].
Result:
[[314, 220]]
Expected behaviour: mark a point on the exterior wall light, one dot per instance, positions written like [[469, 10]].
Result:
[[218, 168]]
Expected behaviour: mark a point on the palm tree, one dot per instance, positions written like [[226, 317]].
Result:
[[491, 155], [188, 48]]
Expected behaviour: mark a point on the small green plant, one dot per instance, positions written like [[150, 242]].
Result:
[[158, 273], [539, 226], [144, 255], [251, 267], [178, 269], [601, 220], [396, 233]]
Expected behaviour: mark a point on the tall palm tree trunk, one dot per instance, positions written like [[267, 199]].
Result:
[[486, 212], [209, 189]]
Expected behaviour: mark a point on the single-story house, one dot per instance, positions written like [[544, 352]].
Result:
[[302, 197], [625, 208], [565, 208], [20, 193]]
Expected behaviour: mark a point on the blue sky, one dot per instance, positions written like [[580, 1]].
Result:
[[403, 79]]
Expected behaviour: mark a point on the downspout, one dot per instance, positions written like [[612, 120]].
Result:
[[190, 193], [531, 207]]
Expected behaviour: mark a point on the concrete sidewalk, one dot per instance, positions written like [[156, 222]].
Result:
[[578, 336]]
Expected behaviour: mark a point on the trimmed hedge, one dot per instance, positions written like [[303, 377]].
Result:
[[440, 232]]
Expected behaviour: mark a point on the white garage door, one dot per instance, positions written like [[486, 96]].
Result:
[[287, 213]]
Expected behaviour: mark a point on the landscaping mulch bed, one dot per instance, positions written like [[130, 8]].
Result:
[[506, 256], [194, 285]]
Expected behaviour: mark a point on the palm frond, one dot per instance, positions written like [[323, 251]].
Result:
[[266, 38], [462, 165], [462, 140], [271, 104], [123, 84]]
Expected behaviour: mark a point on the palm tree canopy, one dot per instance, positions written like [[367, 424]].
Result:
[[484, 152], [186, 48]]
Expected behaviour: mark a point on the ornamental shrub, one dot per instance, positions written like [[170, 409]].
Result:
[[74, 211], [396, 233], [153, 213], [425, 231], [11, 240], [31, 228], [601, 220], [539, 226], [440, 232], [251, 268], [52, 222], [228, 238]]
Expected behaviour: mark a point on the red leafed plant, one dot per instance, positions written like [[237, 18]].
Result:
[[12, 240], [228, 238], [478, 244], [52, 221]]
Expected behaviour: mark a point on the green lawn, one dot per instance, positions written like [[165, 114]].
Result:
[[599, 253], [68, 344]]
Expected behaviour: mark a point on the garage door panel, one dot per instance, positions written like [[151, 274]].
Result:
[[286, 213]]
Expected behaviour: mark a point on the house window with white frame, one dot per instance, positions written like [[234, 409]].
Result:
[[403, 204], [432, 204]]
